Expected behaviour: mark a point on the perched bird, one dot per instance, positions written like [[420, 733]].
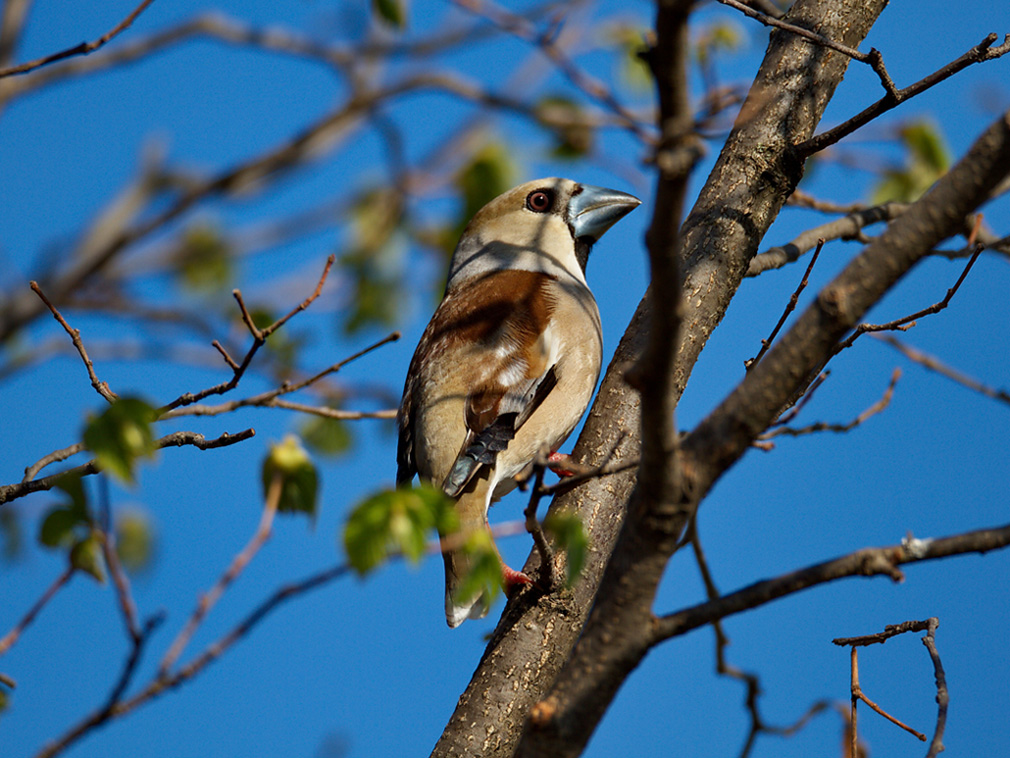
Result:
[[509, 361]]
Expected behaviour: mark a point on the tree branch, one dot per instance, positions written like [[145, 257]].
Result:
[[866, 562], [82, 49], [10, 492]]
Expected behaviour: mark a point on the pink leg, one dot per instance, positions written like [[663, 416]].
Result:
[[513, 579]]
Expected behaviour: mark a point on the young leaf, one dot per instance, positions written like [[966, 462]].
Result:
[[484, 576], [86, 556], [73, 486], [135, 540], [327, 436], [570, 536], [204, 258], [392, 12], [395, 520], [57, 528], [120, 435], [299, 478]]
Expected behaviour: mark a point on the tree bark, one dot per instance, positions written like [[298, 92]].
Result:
[[749, 185]]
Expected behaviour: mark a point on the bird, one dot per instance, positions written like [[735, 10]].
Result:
[[509, 361]]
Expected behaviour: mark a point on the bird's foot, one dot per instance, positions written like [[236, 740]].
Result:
[[513, 580], [556, 462]]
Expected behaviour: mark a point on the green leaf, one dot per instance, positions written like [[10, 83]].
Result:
[[86, 556], [391, 12], [396, 521], [634, 71], [489, 173], [485, 573], [121, 435], [721, 36], [135, 540], [13, 534], [204, 258], [570, 536], [299, 478], [58, 527], [327, 436], [567, 118], [68, 521], [926, 160]]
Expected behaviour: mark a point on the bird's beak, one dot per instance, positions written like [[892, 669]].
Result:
[[595, 209]]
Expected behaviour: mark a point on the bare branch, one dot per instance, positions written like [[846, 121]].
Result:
[[207, 601], [983, 51], [82, 49], [790, 307], [594, 88], [866, 562], [102, 388], [935, 364], [259, 339], [269, 398], [858, 694], [843, 228], [10, 492], [873, 58], [821, 426], [942, 696], [907, 322], [9, 639]]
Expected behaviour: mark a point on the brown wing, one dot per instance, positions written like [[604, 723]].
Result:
[[503, 316]]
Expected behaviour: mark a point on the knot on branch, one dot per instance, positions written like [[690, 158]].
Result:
[[876, 562]]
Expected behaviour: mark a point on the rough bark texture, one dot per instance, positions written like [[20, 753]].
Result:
[[755, 173]]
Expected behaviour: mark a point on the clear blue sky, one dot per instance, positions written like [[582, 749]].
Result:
[[371, 665]]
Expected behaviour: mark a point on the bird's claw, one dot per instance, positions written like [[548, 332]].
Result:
[[513, 580], [556, 461]]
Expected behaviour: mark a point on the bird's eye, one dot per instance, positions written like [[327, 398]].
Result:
[[539, 201]]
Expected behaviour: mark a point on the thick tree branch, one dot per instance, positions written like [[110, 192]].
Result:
[[755, 172], [729, 430]]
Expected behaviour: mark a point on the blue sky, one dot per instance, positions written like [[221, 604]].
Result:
[[371, 665]]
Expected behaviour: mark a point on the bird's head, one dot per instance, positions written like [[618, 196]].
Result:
[[546, 225]]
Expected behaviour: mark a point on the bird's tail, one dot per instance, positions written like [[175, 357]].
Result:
[[460, 605]]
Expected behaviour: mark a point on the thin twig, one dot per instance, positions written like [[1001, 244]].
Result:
[[259, 338], [942, 696], [873, 58], [127, 606], [102, 388], [521, 27], [935, 364], [822, 426], [866, 562], [858, 694], [984, 51], [790, 307], [547, 576], [268, 398], [750, 679], [82, 49], [54, 457], [807, 396], [10, 492], [907, 322], [207, 601], [12, 636], [847, 227]]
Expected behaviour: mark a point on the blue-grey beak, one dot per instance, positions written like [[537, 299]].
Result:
[[595, 209]]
